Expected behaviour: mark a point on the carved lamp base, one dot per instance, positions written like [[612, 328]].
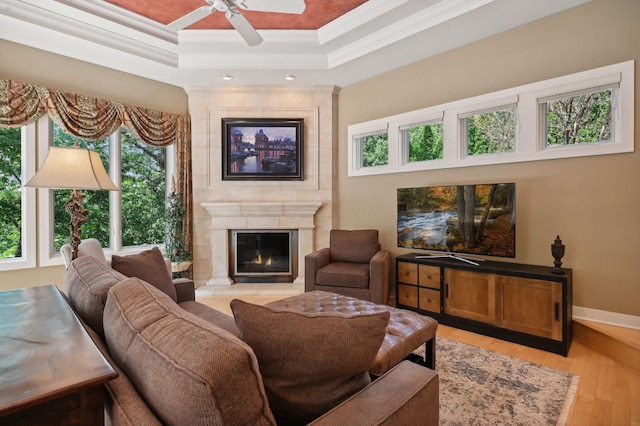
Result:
[[78, 218]]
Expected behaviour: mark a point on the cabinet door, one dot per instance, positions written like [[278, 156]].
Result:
[[530, 306], [470, 295]]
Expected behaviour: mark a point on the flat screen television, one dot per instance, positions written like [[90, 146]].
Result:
[[475, 219]]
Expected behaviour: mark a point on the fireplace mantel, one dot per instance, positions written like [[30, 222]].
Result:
[[258, 215]]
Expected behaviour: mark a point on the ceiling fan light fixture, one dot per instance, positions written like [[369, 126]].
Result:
[[226, 77], [221, 5], [235, 18], [289, 77]]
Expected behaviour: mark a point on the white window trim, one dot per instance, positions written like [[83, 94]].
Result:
[[28, 160], [528, 132], [47, 256]]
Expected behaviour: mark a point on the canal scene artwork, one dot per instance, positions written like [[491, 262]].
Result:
[[262, 149], [475, 219]]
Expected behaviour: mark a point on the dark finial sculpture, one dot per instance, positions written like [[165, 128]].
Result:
[[557, 251]]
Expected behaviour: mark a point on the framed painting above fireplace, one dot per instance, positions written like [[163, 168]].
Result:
[[262, 148]]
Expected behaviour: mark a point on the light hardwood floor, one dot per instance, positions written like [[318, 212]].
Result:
[[608, 392]]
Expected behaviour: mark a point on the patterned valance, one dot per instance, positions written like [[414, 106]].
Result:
[[92, 118]]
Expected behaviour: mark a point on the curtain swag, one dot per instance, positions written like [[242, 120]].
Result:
[[90, 118]]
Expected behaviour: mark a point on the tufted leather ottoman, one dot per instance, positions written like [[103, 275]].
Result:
[[407, 330]]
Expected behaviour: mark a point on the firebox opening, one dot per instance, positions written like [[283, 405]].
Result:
[[259, 256]]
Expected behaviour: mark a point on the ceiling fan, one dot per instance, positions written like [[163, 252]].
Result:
[[239, 22]]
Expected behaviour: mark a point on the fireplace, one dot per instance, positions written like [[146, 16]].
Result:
[[270, 216], [263, 255]]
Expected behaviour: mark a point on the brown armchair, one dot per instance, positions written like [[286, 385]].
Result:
[[353, 265]]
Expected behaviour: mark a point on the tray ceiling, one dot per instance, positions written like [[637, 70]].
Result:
[[334, 42]]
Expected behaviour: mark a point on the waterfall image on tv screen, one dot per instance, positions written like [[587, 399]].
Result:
[[475, 219]]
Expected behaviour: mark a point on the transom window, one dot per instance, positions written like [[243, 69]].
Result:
[[489, 132], [374, 149], [582, 114], [424, 141], [579, 118]]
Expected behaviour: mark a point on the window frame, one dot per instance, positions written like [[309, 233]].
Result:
[[529, 145], [48, 256], [28, 203], [615, 100], [355, 152], [403, 142]]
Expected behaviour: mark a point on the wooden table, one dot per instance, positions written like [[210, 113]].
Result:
[[51, 372]]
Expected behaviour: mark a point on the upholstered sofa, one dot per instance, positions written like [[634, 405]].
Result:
[[181, 362]]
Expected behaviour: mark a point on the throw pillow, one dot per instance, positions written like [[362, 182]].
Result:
[[310, 362], [189, 371], [149, 266]]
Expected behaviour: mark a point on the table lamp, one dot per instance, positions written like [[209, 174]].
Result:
[[73, 168]]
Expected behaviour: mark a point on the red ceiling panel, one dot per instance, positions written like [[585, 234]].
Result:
[[317, 14]]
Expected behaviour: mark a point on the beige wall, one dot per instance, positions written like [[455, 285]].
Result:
[[29, 65], [21, 63], [592, 203]]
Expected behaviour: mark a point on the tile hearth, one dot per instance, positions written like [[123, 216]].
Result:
[[250, 289]]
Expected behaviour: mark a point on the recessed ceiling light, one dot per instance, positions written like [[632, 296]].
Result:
[[226, 77], [289, 77]]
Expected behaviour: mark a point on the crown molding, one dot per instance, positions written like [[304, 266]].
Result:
[[376, 37], [126, 18], [437, 14], [357, 18], [43, 22]]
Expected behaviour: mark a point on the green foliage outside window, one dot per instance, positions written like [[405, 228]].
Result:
[[96, 202], [491, 132], [10, 194], [585, 118], [142, 192], [425, 142], [375, 150]]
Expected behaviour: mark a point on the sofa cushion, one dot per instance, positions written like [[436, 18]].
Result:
[[215, 317], [353, 246], [310, 362], [188, 371], [87, 283], [344, 274], [122, 404], [149, 266]]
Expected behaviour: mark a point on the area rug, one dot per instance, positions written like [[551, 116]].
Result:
[[481, 387]]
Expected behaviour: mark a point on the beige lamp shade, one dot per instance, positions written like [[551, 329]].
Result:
[[72, 168]]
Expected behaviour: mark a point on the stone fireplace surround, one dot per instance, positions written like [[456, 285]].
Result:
[[246, 215], [220, 205]]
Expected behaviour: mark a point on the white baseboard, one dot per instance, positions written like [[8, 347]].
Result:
[[605, 317]]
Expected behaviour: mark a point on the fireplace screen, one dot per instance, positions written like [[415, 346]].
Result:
[[260, 253]]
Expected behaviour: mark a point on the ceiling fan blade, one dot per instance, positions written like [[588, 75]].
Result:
[[244, 28], [295, 7], [191, 18]]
